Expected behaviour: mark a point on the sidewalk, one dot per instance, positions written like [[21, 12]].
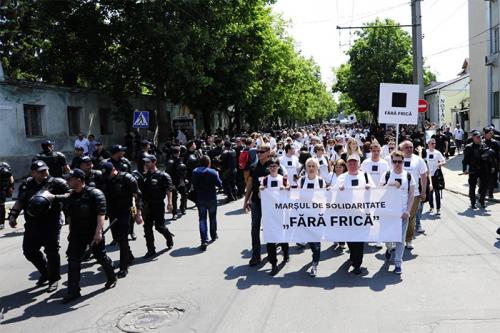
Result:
[[456, 183]]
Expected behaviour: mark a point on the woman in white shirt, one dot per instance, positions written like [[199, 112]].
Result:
[[323, 161], [311, 180]]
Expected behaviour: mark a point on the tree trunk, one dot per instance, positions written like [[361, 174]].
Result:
[[162, 117]]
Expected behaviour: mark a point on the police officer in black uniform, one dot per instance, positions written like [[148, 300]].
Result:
[[477, 169], [43, 221], [228, 171], [145, 147], [77, 158], [87, 207], [120, 188], [100, 154], [494, 154], [155, 187], [6, 189], [179, 174], [93, 177], [55, 160]]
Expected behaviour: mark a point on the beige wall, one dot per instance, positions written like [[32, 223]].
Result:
[[478, 48]]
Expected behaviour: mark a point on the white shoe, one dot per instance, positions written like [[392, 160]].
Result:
[[409, 245], [314, 269], [438, 212]]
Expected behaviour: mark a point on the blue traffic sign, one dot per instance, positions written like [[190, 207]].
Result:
[[141, 119]]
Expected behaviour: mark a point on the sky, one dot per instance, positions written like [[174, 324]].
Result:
[[313, 26]]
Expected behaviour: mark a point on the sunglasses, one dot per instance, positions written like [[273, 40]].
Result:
[[262, 151], [397, 161]]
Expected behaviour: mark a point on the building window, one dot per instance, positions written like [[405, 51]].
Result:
[[33, 120], [496, 105], [74, 114], [105, 121], [496, 40]]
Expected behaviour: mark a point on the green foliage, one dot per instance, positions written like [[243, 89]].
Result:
[[209, 55], [378, 55]]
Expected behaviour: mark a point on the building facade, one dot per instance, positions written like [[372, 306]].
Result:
[[484, 48]]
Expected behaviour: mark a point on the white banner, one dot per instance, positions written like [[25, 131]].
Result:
[[319, 215], [398, 104]]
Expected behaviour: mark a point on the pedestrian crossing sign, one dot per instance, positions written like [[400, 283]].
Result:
[[141, 119]]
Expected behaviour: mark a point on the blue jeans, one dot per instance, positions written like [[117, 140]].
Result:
[[419, 216], [209, 207]]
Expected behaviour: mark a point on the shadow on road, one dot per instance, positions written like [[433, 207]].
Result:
[[469, 212], [186, 252], [238, 211], [12, 234], [248, 276]]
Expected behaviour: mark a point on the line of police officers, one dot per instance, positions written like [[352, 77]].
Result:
[[87, 197]]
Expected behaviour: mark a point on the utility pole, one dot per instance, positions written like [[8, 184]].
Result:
[[418, 57]]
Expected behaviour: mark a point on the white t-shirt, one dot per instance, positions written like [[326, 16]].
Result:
[[272, 182], [458, 134], [417, 167], [433, 158], [323, 167], [375, 169], [350, 181], [403, 177], [331, 180], [311, 184], [292, 167]]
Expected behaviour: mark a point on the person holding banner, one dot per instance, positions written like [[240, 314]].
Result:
[[275, 181], [355, 178], [252, 200], [312, 181], [403, 181]]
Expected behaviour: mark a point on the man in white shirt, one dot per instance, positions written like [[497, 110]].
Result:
[[290, 163], [434, 160], [82, 142], [416, 166], [458, 135], [375, 167], [404, 182]]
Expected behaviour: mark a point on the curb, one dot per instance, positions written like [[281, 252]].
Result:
[[466, 195]]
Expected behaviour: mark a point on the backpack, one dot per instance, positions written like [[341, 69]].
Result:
[[388, 175], [244, 160]]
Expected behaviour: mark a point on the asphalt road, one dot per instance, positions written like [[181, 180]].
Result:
[[449, 284]]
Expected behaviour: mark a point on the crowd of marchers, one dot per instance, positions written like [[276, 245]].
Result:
[[100, 185]]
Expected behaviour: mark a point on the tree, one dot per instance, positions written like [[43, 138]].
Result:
[[378, 55]]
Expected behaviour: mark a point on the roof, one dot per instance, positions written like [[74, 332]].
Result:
[[435, 88]]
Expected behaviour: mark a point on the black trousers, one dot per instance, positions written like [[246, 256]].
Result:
[[474, 179], [76, 248], [2, 213], [272, 249], [37, 235], [240, 183], [120, 232], [229, 184], [356, 253], [181, 191], [154, 215], [492, 183]]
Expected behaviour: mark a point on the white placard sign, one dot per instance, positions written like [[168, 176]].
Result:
[[360, 215], [398, 104]]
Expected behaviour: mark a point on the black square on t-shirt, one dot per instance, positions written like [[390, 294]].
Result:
[[321, 162], [407, 164], [310, 185], [274, 183], [431, 156], [289, 163], [354, 182], [374, 168], [399, 180]]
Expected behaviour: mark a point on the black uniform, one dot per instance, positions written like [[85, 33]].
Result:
[[119, 191], [94, 179], [155, 187], [122, 164], [494, 146], [83, 208], [478, 168], [55, 160], [228, 173], [179, 174], [75, 162], [43, 225], [6, 188], [99, 156], [140, 160]]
